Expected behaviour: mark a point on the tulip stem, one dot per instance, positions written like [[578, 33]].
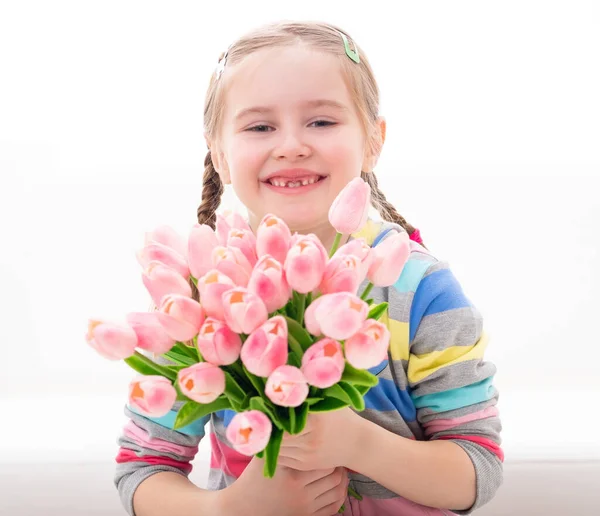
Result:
[[336, 244], [367, 291], [300, 307]]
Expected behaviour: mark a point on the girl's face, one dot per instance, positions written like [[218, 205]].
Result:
[[291, 137]]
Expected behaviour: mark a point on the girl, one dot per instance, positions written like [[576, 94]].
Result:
[[291, 116]]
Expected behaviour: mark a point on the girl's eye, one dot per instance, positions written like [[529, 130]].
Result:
[[264, 128], [325, 122], [258, 128]]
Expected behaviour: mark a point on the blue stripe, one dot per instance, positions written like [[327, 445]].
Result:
[[380, 236], [378, 368], [196, 428], [386, 396], [411, 275], [225, 415], [438, 292], [457, 398]]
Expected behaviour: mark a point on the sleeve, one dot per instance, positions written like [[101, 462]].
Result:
[[150, 445], [451, 384]]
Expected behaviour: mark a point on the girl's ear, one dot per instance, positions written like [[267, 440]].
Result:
[[375, 145], [219, 161]]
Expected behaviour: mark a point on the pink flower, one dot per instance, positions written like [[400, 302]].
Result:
[[151, 335], [287, 386], [323, 363], [201, 242], [350, 209], [245, 241], [361, 250], [161, 280], [151, 396], [342, 274], [369, 346], [211, 287], [338, 316], [203, 382], [217, 343], [268, 282], [226, 222], [243, 310], [266, 348], [167, 236], [249, 432], [305, 264], [155, 252], [180, 316], [389, 259], [112, 340], [232, 262], [273, 238]]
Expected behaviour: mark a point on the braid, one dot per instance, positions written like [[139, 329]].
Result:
[[384, 207]]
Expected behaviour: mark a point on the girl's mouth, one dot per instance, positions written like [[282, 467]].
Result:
[[296, 185]]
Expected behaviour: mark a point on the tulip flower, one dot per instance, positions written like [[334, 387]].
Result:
[[249, 432], [323, 363], [350, 209], [359, 248], [342, 274], [389, 258], [180, 316], [203, 382], [151, 396], [155, 252], [201, 242], [217, 343], [368, 347], [305, 264], [226, 222], [211, 287], [268, 282], [287, 386], [232, 262], [112, 340], [243, 310], [161, 280], [167, 236], [151, 335], [338, 316], [273, 238], [266, 348], [245, 241]]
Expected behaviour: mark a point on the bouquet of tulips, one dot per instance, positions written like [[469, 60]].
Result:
[[279, 331]]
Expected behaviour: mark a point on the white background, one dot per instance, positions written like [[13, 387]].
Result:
[[493, 151]]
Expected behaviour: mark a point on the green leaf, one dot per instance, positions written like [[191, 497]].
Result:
[[328, 405], [184, 349], [378, 310], [292, 412], [233, 389], [312, 400], [297, 331], [257, 403], [359, 376], [180, 395], [272, 452], [369, 301], [261, 454], [336, 391], [363, 389], [358, 403], [179, 358], [301, 417], [146, 366], [256, 381], [297, 350], [192, 411]]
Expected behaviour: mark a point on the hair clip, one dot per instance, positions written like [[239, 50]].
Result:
[[222, 62], [352, 54]]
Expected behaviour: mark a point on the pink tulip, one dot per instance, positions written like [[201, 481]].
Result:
[[155, 252], [180, 316], [151, 396], [245, 241], [217, 343], [323, 363], [305, 264], [151, 335], [273, 238], [249, 432], [203, 382], [211, 287], [201, 242], [232, 262], [167, 236], [161, 280], [287, 386], [338, 316], [389, 258], [243, 310], [350, 209], [268, 282], [266, 348], [342, 274], [112, 340], [226, 222], [359, 248], [369, 346]]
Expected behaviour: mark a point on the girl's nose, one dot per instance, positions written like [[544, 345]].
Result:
[[291, 146]]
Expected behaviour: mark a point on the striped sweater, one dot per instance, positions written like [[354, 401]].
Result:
[[435, 384]]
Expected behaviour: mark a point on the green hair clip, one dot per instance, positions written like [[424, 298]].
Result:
[[352, 54]]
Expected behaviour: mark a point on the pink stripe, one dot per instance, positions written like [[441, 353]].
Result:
[[126, 455], [227, 459], [388, 506], [140, 436], [482, 441], [439, 425]]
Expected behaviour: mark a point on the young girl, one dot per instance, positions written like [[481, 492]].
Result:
[[291, 116]]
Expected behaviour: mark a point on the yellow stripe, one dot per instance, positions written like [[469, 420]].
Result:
[[422, 366], [398, 337], [369, 231]]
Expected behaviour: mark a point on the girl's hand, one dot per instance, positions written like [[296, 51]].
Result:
[[288, 493], [328, 441]]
